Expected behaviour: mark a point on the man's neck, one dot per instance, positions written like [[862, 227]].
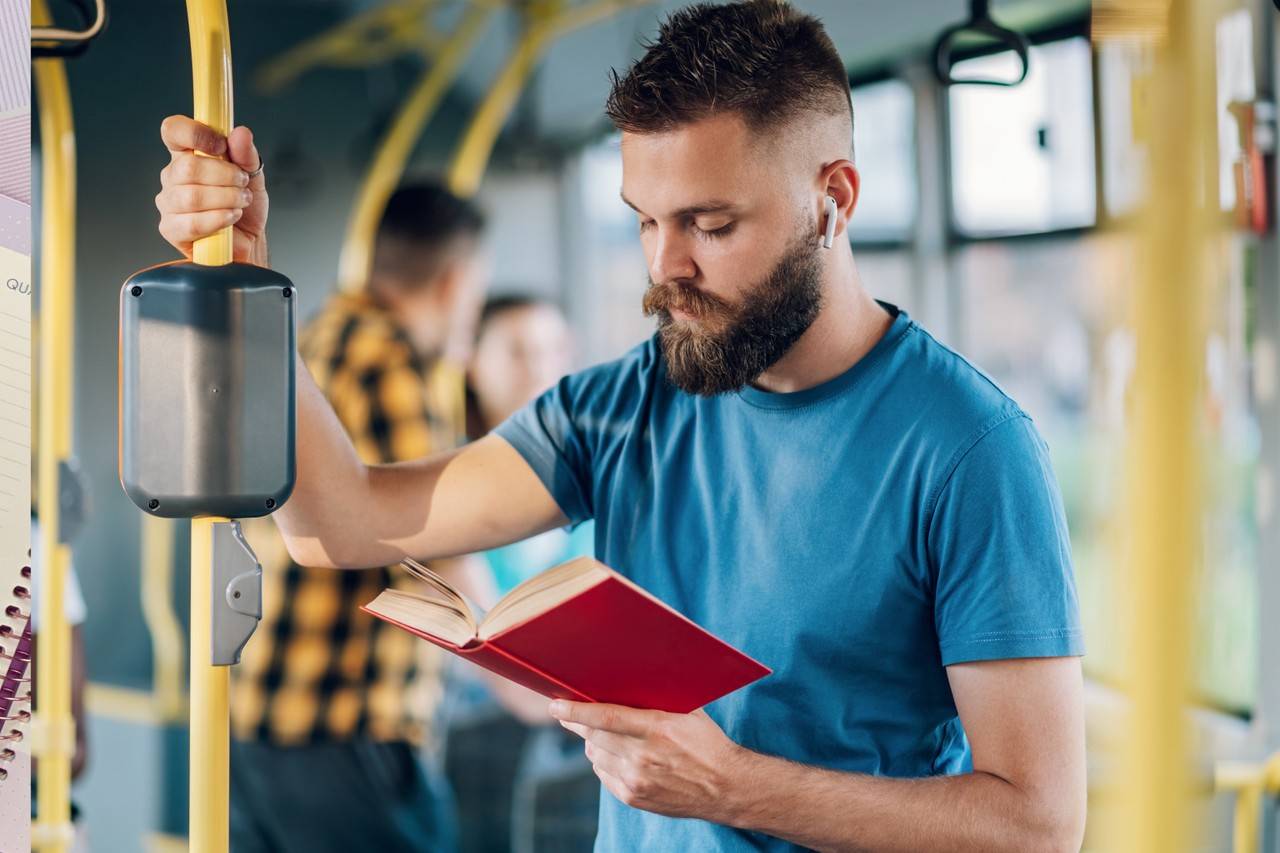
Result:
[[848, 326]]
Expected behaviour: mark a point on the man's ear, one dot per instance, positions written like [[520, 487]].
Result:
[[444, 290], [840, 180]]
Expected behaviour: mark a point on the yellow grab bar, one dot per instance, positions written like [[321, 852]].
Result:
[[1252, 782], [210, 685], [393, 153], [1163, 468], [377, 35], [53, 730], [548, 21]]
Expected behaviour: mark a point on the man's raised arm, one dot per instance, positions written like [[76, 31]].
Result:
[[344, 513]]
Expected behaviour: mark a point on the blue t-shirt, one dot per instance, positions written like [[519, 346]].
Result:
[[857, 537]]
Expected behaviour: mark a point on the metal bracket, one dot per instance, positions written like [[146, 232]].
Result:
[[73, 500], [236, 600]]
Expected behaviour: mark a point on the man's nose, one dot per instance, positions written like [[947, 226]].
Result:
[[672, 259]]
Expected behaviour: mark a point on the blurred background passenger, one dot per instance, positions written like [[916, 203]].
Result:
[[523, 346], [505, 762], [331, 709]]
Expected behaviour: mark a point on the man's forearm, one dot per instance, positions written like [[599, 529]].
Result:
[[833, 811], [346, 514]]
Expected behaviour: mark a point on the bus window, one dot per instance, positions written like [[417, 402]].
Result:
[[1022, 158], [885, 152]]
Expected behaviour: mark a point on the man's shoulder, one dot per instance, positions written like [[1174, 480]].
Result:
[[947, 393], [620, 381]]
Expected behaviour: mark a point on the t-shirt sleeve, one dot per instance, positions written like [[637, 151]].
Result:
[[547, 434], [1001, 554]]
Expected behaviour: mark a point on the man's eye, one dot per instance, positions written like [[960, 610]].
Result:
[[715, 233], [645, 225]]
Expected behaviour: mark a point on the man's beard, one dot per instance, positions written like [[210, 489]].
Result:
[[732, 346]]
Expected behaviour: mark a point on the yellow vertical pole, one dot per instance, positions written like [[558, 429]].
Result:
[[210, 685], [210, 693], [53, 731], [1163, 459]]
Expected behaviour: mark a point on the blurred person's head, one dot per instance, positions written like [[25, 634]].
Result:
[[523, 346], [427, 268], [736, 125]]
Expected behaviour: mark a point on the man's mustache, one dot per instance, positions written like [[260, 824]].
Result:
[[676, 296]]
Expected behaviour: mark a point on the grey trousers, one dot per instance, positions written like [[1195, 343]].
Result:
[[349, 796]]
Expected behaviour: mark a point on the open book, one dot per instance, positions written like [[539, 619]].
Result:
[[577, 631]]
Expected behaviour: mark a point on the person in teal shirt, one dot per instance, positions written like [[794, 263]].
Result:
[[523, 346], [495, 749]]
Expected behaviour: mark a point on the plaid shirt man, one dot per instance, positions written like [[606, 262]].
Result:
[[318, 669]]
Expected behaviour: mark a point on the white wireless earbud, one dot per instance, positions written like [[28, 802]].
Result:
[[829, 238]]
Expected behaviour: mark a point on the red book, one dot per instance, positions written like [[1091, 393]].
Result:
[[578, 631]]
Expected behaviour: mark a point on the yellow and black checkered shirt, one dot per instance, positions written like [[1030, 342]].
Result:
[[318, 669]]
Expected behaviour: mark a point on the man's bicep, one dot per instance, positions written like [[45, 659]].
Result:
[[478, 497], [1024, 719]]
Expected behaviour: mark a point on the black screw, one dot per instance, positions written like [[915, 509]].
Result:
[[288, 291], [135, 290], [235, 595], [153, 504], [271, 503]]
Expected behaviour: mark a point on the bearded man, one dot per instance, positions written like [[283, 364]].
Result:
[[797, 467]]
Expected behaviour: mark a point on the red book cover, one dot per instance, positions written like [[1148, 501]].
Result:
[[614, 644]]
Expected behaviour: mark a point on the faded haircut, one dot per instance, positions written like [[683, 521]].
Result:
[[761, 59]]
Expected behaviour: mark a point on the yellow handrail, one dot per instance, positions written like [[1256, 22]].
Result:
[[548, 20], [1251, 782], [1163, 452], [53, 730], [211, 78], [393, 153], [373, 36], [210, 778], [210, 685]]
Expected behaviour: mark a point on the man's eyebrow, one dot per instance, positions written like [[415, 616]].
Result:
[[713, 206]]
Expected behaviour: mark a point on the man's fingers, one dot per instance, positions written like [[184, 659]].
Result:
[[611, 718], [577, 728], [243, 152], [193, 198], [614, 785], [607, 741], [181, 133], [243, 246], [180, 228], [610, 762], [188, 168]]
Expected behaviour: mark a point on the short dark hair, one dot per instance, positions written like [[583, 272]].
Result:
[[421, 225], [761, 59], [496, 306]]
